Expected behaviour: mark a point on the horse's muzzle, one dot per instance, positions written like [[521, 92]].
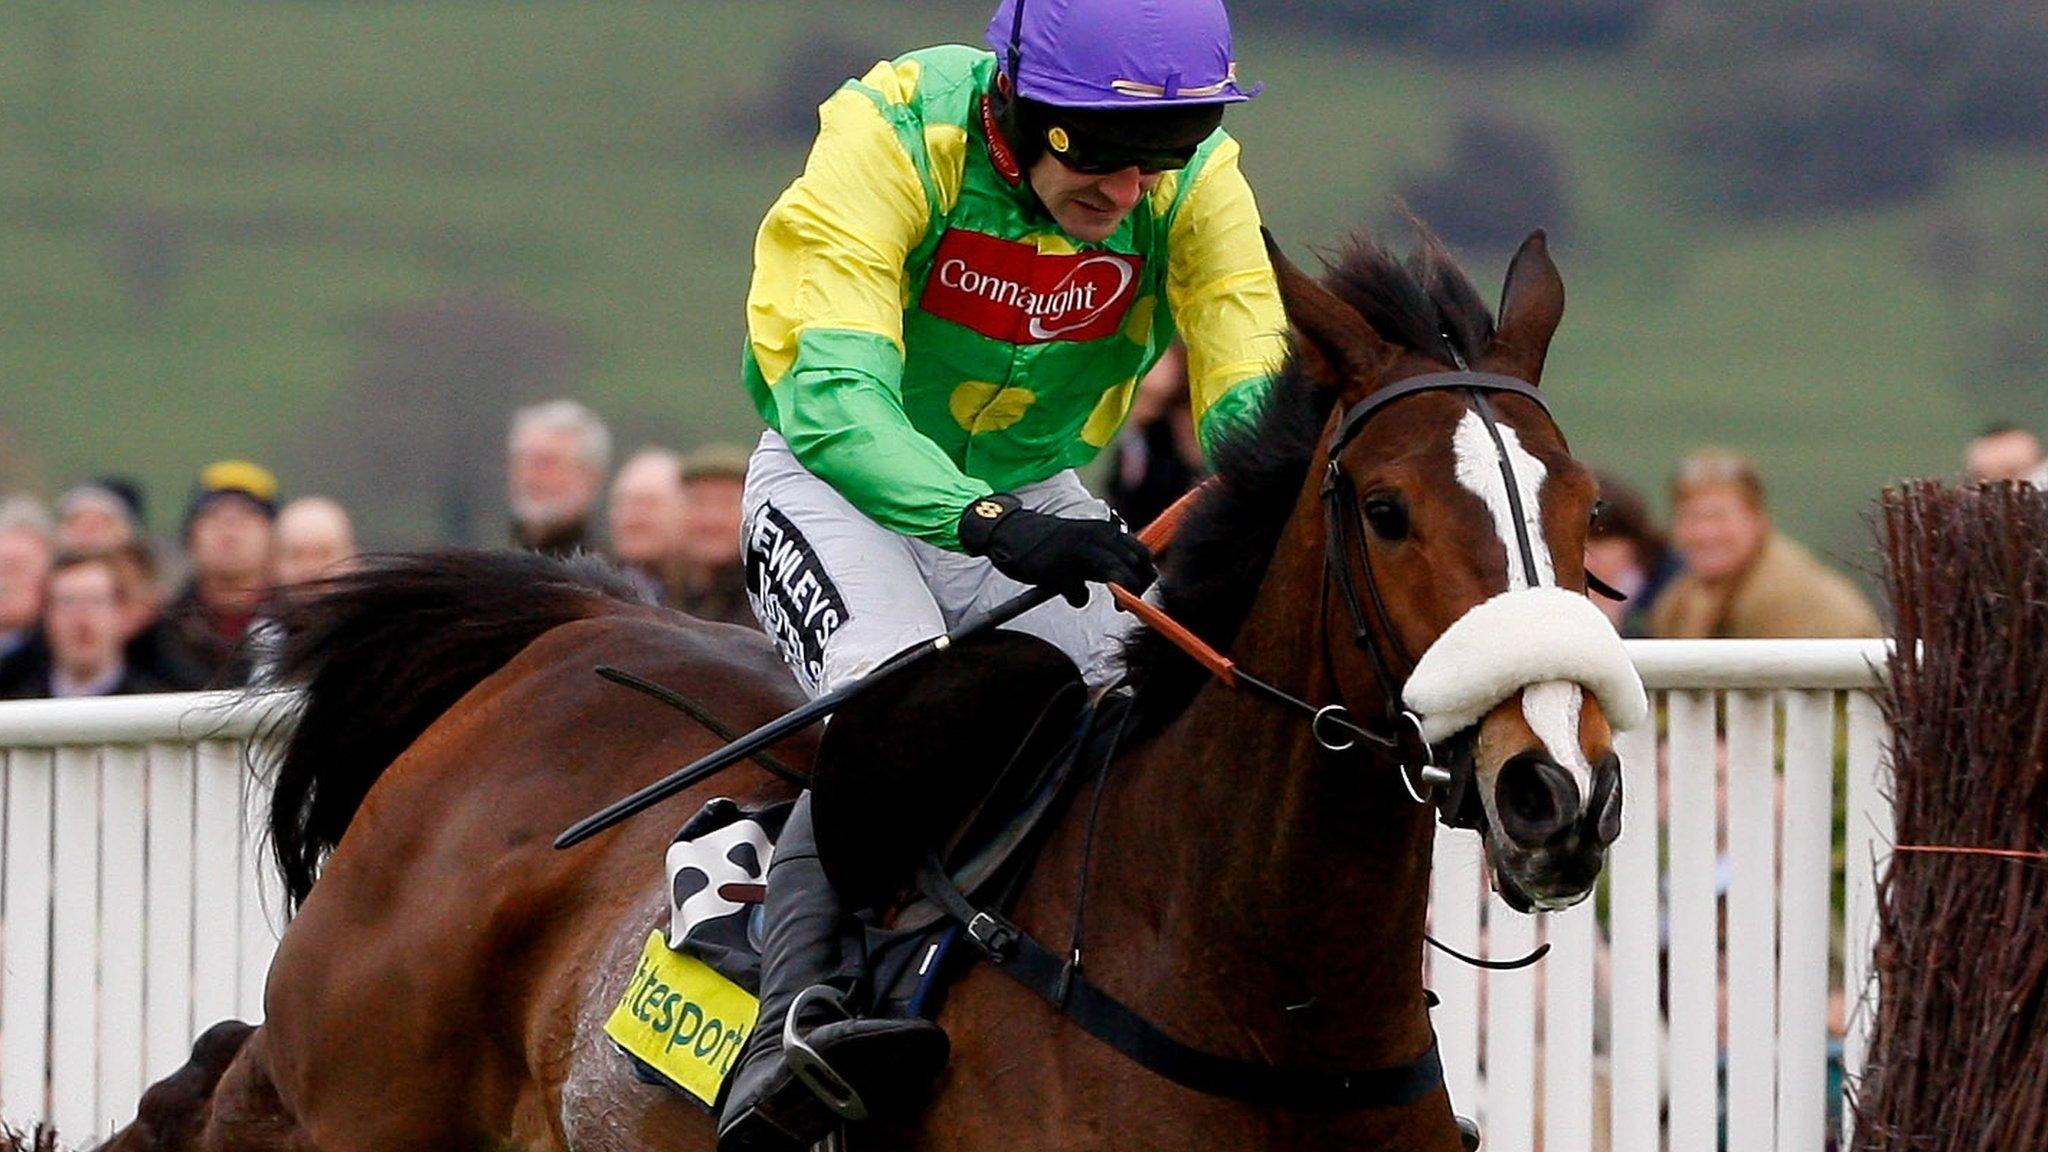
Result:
[[1539, 803]]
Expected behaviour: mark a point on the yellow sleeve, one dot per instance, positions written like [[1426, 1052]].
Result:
[[825, 317], [830, 253], [1221, 288]]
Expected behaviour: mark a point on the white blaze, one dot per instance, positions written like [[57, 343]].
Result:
[[1552, 710], [1479, 472], [1551, 707]]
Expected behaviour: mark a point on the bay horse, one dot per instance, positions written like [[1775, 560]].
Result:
[[1253, 893]]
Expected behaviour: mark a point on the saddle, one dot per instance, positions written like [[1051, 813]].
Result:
[[678, 1021]]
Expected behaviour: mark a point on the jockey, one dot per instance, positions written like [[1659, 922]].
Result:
[[950, 310]]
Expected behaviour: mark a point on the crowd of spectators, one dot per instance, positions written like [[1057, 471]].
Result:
[[90, 605], [670, 521]]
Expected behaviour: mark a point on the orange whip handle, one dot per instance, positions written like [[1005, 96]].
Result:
[[1157, 535]]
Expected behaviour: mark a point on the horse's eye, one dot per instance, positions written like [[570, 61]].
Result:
[[1389, 520], [1593, 520]]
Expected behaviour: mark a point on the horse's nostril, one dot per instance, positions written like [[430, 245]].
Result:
[[1536, 798]]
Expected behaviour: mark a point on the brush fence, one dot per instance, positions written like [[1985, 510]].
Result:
[[136, 910]]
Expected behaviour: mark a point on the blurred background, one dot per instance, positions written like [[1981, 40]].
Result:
[[348, 238]]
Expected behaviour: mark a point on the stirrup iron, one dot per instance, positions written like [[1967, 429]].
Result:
[[807, 1066]]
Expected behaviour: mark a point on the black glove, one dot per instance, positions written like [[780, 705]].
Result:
[[1054, 551]]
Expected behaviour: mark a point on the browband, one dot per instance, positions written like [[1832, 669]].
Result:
[[1356, 416]]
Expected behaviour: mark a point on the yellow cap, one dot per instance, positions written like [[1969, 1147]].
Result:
[[239, 476]]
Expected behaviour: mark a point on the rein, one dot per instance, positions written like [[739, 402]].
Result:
[[1330, 718]]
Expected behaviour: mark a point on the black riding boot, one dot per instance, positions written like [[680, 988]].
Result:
[[809, 1064]]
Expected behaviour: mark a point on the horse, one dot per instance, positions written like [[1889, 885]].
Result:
[[1258, 880]]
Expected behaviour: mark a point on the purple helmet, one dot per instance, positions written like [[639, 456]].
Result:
[[1118, 54]]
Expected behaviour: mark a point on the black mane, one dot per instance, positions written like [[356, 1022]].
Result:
[[1219, 556], [1423, 303], [382, 652]]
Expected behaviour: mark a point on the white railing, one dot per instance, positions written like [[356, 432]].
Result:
[[1728, 890], [135, 911]]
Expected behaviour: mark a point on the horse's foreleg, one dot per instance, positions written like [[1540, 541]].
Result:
[[221, 1099]]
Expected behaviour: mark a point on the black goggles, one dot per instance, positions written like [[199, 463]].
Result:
[[1094, 157]]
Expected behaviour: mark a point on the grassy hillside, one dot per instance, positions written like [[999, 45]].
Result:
[[314, 162]]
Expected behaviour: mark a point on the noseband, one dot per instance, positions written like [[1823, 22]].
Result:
[[1451, 786]]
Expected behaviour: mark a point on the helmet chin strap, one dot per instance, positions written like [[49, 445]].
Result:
[[1005, 104], [1004, 114], [1016, 48]]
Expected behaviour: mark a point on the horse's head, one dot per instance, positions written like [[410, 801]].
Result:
[[1454, 532]]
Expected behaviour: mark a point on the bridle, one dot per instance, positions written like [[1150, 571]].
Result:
[[1450, 785]]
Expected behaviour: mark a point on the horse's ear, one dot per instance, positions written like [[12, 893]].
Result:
[[1531, 304], [1332, 342]]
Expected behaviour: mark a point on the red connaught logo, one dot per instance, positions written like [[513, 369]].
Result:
[[1008, 291]]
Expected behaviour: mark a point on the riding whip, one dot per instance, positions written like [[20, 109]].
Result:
[[1155, 536]]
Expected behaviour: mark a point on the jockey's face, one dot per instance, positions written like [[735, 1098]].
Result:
[[1086, 206]]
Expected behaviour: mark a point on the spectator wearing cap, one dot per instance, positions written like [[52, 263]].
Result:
[[556, 460], [99, 516], [315, 539], [84, 624], [1743, 578], [2005, 452], [645, 517], [1626, 549], [25, 556], [228, 539], [710, 581]]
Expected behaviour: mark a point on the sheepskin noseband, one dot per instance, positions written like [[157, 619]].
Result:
[[1517, 639]]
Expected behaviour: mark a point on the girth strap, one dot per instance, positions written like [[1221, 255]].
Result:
[[1059, 982]]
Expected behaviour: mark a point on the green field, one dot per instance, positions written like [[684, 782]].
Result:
[[594, 162]]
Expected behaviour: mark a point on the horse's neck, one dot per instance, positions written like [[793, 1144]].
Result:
[[1278, 898]]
